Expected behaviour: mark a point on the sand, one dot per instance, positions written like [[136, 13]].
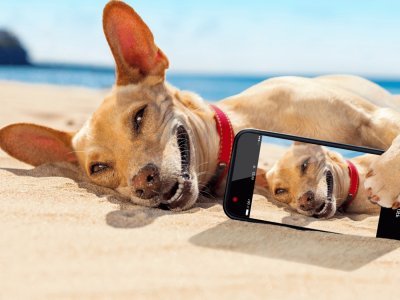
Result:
[[63, 238]]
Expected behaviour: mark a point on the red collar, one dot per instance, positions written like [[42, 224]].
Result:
[[226, 136], [354, 183]]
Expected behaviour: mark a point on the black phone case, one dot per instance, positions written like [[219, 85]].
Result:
[[389, 219]]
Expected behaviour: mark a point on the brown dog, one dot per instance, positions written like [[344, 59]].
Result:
[[155, 144], [315, 181]]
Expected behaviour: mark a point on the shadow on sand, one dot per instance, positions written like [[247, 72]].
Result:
[[326, 250], [128, 215]]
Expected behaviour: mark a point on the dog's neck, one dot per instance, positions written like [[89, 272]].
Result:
[[205, 138], [342, 181], [206, 142]]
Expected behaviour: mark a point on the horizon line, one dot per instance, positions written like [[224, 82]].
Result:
[[249, 74]]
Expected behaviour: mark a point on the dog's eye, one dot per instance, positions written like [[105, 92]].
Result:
[[138, 119], [304, 165], [98, 168], [280, 191]]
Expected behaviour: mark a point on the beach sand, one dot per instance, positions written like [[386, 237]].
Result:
[[64, 238]]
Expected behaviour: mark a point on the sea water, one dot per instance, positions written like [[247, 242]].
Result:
[[210, 87]]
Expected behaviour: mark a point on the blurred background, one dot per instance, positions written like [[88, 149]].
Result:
[[216, 48]]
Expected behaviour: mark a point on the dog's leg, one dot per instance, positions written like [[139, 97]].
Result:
[[380, 129], [382, 180]]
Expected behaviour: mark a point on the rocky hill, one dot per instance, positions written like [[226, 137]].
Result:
[[11, 50]]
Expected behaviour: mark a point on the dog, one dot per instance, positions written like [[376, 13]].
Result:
[[315, 181], [158, 146]]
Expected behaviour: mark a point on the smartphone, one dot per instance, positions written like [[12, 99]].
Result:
[[306, 184]]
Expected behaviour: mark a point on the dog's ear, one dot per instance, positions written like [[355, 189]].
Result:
[[132, 44], [261, 178], [335, 156], [314, 147], [297, 143], [36, 145]]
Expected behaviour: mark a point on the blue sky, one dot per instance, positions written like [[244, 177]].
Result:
[[287, 143], [285, 36]]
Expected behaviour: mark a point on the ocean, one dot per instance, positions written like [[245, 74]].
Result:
[[210, 87]]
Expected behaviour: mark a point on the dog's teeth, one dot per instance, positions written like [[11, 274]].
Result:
[[178, 191]]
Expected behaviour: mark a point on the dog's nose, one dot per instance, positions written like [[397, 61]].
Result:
[[146, 183], [306, 201]]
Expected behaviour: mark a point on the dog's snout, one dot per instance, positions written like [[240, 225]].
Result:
[[306, 201], [146, 183]]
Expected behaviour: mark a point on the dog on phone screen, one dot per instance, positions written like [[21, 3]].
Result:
[[156, 145], [315, 181]]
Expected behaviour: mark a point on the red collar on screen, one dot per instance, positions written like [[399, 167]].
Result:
[[226, 137], [354, 183]]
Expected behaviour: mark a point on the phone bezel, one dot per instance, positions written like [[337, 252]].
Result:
[[366, 150]]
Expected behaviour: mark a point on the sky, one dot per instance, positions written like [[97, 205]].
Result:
[[226, 36]]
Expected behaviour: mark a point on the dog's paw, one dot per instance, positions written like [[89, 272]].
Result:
[[396, 203], [378, 193], [383, 178]]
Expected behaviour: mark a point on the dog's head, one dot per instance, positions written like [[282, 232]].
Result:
[[140, 140], [305, 178]]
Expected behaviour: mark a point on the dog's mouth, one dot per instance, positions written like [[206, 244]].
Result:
[[328, 207], [177, 191], [179, 194], [184, 149]]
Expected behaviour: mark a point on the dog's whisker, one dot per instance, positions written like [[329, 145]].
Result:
[[203, 164], [76, 151], [207, 194]]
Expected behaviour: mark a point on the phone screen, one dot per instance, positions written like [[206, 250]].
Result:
[[303, 183]]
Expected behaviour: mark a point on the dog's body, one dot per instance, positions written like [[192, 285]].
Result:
[[157, 145], [315, 181]]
